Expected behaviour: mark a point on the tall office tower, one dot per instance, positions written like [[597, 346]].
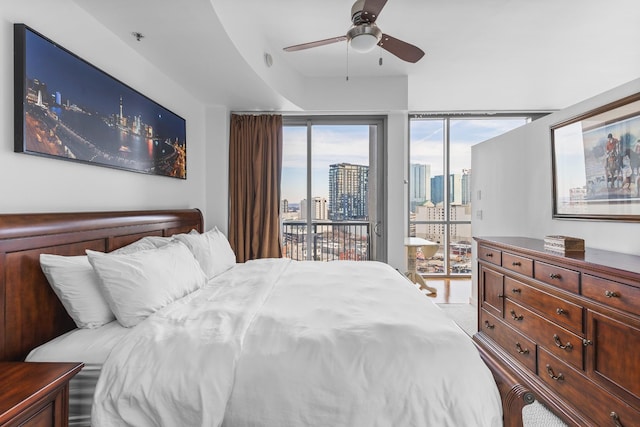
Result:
[[419, 184], [437, 189], [348, 192], [284, 206], [455, 189], [466, 186]]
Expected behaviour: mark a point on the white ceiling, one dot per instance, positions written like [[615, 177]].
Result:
[[480, 54]]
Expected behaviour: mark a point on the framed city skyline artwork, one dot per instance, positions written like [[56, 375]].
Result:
[[68, 109], [596, 163]]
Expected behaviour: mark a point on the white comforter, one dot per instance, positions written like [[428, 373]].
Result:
[[289, 343]]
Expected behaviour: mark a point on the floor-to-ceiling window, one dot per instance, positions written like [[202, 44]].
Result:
[[440, 183], [332, 190]]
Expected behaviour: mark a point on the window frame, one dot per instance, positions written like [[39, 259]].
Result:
[[447, 222]]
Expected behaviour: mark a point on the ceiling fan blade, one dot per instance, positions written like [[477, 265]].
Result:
[[403, 50], [371, 9], [314, 44]]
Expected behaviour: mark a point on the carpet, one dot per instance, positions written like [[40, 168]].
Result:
[[463, 314]]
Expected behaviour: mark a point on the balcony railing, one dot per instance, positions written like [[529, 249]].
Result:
[[331, 240]]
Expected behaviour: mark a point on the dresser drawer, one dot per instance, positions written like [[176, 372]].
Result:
[[493, 256], [551, 307], [517, 263], [554, 338], [516, 344], [563, 278], [590, 399], [612, 294]]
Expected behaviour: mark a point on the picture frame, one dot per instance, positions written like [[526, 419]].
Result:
[[66, 108], [596, 163]]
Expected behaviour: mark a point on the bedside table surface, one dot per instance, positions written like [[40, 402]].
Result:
[[24, 383]]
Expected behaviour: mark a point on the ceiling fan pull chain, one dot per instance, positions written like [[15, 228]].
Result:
[[380, 60]]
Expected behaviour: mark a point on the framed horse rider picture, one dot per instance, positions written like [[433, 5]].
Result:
[[596, 163]]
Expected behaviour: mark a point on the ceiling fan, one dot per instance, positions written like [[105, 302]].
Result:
[[364, 34]]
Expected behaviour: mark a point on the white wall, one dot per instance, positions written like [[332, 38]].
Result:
[[35, 184], [513, 175], [216, 183]]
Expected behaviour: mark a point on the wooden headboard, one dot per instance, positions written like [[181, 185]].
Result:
[[31, 312]]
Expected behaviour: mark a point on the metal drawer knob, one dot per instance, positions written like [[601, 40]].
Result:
[[489, 255], [516, 290], [488, 325], [516, 263], [611, 294], [555, 276], [616, 419], [516, 317], [520, 350], [553, 376], [561, 311], [567, 346]]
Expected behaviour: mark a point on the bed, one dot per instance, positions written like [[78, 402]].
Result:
[[268, 342]]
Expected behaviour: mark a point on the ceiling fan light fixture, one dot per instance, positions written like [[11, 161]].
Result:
[[364, 37]]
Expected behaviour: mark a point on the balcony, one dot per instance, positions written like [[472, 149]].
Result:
[[330, 240]]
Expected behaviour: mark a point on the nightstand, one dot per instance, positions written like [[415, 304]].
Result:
[[35, 394]]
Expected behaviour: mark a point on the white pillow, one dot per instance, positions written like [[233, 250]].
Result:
[[137, 285], [148, 242], [78, 288], [211, 249]]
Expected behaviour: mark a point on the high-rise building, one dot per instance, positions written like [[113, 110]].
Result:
[[455, 189], [318, 208], [466, 186], [348, 192], [420, 184]]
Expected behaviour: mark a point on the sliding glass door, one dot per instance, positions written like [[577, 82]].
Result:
[[332, 188]]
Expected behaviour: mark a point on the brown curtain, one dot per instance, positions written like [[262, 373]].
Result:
[[255, 164]]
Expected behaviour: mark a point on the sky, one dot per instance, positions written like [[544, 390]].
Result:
[[350, 144]]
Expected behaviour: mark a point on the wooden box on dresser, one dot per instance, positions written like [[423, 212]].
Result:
[[563, 329]]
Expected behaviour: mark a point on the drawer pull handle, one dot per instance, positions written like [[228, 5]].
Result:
[[610, 294], [616, 419], [515, 317], [516, 263], [489, 255], [586, 342], [488, 325], [567, 346], [555, 276], [520, 350], [553, 376], [516, 290], [561, 311]]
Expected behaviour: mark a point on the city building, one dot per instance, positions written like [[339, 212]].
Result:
[[455, 189], [348, 192], [319, 208], [420, 191]]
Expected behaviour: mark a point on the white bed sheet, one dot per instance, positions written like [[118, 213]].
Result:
[[288, 343], [91, 346]]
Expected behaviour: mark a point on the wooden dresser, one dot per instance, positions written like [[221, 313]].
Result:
[[35, 394], [561, 329]]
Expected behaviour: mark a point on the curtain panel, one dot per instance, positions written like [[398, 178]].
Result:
[[255, 165]]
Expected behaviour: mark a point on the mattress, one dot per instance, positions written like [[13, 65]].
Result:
[[91, 346]]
